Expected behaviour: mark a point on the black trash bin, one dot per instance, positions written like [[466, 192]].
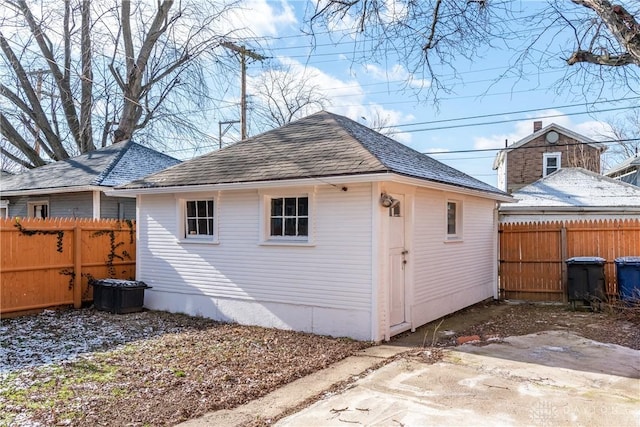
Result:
[[585, 280], [628, 274], [118, 296]]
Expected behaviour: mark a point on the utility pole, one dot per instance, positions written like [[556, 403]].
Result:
[[244, 52], [39, 78], [221, 132]]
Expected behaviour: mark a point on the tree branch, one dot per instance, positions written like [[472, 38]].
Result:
[[622, 26]]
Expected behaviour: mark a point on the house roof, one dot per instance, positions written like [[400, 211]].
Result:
[[575, 188], [107, 167], [633, 161], [318, 146], [555, 127]]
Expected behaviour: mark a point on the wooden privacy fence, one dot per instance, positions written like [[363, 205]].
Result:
[[532, 255], [48, 263]]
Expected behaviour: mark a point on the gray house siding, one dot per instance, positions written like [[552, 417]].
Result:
[[112, 207], [71, 205], [17, 206]]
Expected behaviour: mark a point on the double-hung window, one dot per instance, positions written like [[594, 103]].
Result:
[[199, 218], [550, 163], [289, 218]]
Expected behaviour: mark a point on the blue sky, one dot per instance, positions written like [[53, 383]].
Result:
[[363, 89]]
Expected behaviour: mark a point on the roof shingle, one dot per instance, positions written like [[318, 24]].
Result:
[[109, 166], [320, 145]]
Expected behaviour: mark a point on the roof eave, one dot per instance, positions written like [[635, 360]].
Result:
[[299, 182], [523, 210], [53, 190]]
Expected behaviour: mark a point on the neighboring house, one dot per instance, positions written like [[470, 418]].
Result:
[[573, 194], [322, 225], [543, 152], [75, 187], [4, 205], [627, 171]]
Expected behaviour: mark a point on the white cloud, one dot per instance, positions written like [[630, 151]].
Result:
[[262, 18], [396, 73], [521, 129], [348, 98]]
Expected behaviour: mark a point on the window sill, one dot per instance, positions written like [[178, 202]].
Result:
[[453, 240], [198, 242], [286, 243]]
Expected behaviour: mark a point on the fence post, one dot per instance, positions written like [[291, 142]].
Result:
[[77, 265], [563, 265]]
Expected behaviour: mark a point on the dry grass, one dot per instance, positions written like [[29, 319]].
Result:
[[165, 379]]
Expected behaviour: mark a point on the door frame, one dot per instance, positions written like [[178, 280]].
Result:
[[381, 252]]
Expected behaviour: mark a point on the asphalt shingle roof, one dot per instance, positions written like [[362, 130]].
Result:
[[110, 166], [320, 145], [575, 187]]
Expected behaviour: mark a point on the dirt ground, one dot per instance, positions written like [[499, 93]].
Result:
[[159, 369], [493, 321]]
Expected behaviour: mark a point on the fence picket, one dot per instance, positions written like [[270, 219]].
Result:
[[532, 254], [40, 260]]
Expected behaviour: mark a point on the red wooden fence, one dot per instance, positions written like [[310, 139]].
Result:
[[48, 263]]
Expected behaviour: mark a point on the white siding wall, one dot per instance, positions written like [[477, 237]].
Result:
[[325, 288], [449, 276]]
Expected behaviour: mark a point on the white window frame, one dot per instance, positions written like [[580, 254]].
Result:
[[31, 204], [545, 160], [458, 223], [182, 218], [265, 208], [4, 204]]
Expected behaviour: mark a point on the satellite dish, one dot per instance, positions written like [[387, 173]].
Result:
[[552, 137]]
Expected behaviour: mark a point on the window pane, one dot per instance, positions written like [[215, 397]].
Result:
[[290, 206], [303, 227], [303, 206], [202, 208], [209, 208], [191, 209], [210, 227], [451, 218], [552, 161], [289, 226], [191, 226], [276, 226], [202, 226], [276, 207]]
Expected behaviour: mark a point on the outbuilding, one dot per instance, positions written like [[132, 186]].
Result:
[[323, 226]]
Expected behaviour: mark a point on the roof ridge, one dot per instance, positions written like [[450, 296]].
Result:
[[105, 173]]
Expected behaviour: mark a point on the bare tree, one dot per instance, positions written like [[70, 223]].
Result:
[[283, 94], [110, 68], [600, 40], [626, 133]]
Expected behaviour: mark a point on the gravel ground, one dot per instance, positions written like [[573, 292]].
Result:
[[86, 367]]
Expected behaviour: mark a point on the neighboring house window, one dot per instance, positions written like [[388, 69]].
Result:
[[289, 217], [38, 209], [4, 208], [199, 218], [454, 219], [550, 163]]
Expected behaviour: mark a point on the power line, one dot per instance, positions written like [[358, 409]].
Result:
[[569, 144], [482, 116], [550, 116]]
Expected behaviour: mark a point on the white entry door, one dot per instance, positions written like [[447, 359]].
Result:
[[397, 262]]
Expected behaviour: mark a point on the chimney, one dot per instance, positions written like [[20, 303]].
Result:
[[537, 125]]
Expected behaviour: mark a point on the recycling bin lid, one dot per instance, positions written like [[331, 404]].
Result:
[[119, 283], [633, 260], [585, 260]]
